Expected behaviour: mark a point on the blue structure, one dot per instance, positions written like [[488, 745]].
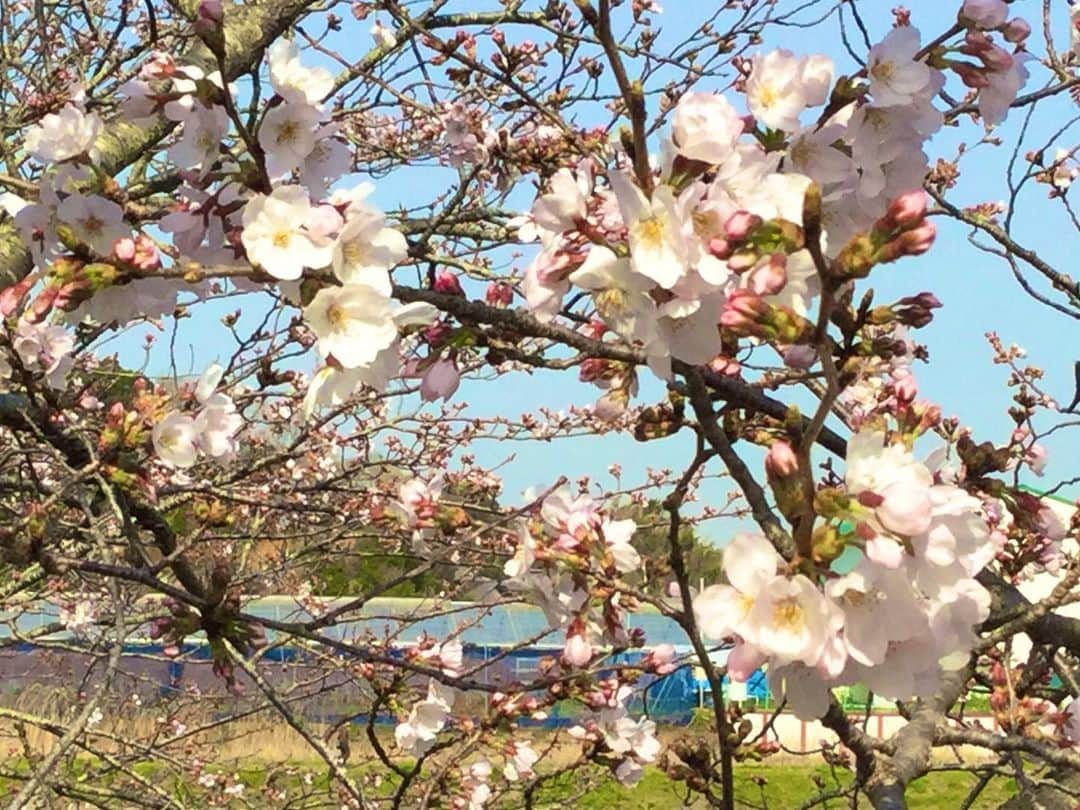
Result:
[[503, 643]]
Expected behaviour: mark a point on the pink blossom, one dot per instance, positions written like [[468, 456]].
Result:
[[1036, 458], [986, 14], [781, 459], [577, 652], [770, 275], [908, 209]]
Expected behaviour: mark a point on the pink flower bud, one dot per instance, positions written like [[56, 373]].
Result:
[[919, 239], [1017, 30], [124, 249], [781, 460], [661, 659], [209, 14], [997, 59], [720, 248], [12, 296], [908, 209], [970, 75], [593, 369], [447, 282], [770, 275], [146, 257], [499, 294], [802, 357], [905, 387], [437, 333], [725, 366], [578, 651], [42, 304], [924, 300], [975, 42], [740, 225]]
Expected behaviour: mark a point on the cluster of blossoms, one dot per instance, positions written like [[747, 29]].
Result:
[[417, 733], [997, 74], [179, 438], [714, 237], [571, 539], [40, 350], [900, 617], [630, 742]]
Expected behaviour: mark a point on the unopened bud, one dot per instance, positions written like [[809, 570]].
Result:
[[740, 225], [447, 282], [770, 275], [781, 459], [10, 297], [499, 294], [802, 357], [908, 209], [997, 59], [1016, 30], [918, 240]]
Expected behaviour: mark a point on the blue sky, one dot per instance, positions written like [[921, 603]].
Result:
[[977, 291]]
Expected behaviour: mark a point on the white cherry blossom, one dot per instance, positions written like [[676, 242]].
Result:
[[706, 127], [63, 135], [293, 81], [353, 323], [895, 77], [276, 235], [175, 438], [658, 235]]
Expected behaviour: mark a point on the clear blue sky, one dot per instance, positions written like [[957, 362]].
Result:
[[977, 291]]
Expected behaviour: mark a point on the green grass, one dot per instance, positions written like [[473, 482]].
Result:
[[785, 788], [757, 787]]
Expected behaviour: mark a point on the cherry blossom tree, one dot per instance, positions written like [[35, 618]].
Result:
[[699, 214]]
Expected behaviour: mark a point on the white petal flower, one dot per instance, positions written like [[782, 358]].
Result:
[[291, 80], [706, 127], [879, 607], [659, 238], [895, 77], [275, 235], [621, 296], [174, 439], [365, 250], [217, 425], [353, 323], [520, 764], [617, 534], [791, 620], [287, 136], [96, 221], [63, 135]]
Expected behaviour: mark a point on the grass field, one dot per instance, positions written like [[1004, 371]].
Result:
[[786, 787]]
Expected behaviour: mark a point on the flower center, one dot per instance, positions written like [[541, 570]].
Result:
[[281, 239], [170, 439], [288, 132], [767, 96], [650, 232], [611, 302], [802, 153], [355, 253], [789, 615], [92, 224], [337, 317], [883, 71]]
